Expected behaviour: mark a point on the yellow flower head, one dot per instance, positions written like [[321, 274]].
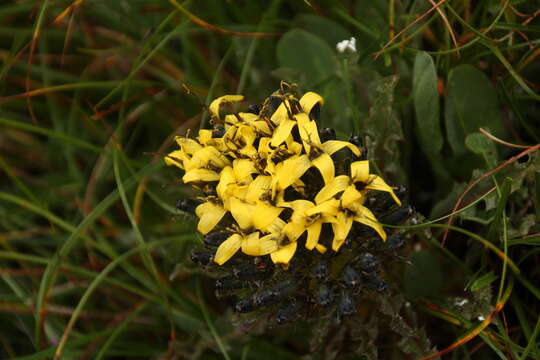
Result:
[[275, 175]]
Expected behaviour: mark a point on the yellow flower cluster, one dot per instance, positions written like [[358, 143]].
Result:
[[248, 162]]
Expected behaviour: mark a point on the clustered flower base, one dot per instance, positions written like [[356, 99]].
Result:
[[291, 217]]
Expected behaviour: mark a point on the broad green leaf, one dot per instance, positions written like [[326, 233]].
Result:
[[471, 103], [426, 103], [324, 28], [308, 55]]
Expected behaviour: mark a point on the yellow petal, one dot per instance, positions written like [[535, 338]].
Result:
[[189, 146], [261, 126], [264, 215], [320, 248], [376, 183], [280, 114], [210, 214], [282, 132], [314, 232], [228, 248], [341, 228], [308, 131], [226, 178], [258, 187], [366, 217], [300, 208], [309, 100], [293, 230], [264, 146], [360, 171], [338, 184], [215, 105], [329, 207], [351, 196], [331, 146], [326, 166], [277, 226], [284, 254], [293, 168], [205, 136], [250, 244], [263, 246], [176, 158], [205, 156], [197, 175], [242, 213], [243, 168]]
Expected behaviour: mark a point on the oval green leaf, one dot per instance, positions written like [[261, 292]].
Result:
[[308, 55], [471, 103], [426, 103]]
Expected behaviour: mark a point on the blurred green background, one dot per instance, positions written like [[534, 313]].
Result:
[[94, 258]]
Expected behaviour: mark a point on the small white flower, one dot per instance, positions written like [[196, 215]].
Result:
[[481, 318], [346, 45]]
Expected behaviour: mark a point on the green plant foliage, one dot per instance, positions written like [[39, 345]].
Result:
[[317, 61], [471, 103], [95, 255]]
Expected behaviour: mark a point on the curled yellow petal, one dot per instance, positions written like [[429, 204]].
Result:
[[264, 215], [331, 146], [329, 208], [309, 100], [189, 146], [293, 168], [242, 212], [209, 214], [320, 248], [198, 175], [176, 158], [227, 249], [341, 228], [351, 196], [216, 104], [360, 171], [338, 184], [376, 183], [282, 131], [243, 168], [293, 230], [255, 246], [366, 217], [314, 232], [326, 167], [284, 254], [308, 131], [258, 187]]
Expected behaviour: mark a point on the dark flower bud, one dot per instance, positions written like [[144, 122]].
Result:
[[252, 272], [325, 295], [202, 257], [327, 134], [188, 205], [346, 305], [215, 238], [321, 270], [373, 282], [290, 312], [254, 109], [368, 262], [245, 305], [229, 283], [350, 277], [218, 131]]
